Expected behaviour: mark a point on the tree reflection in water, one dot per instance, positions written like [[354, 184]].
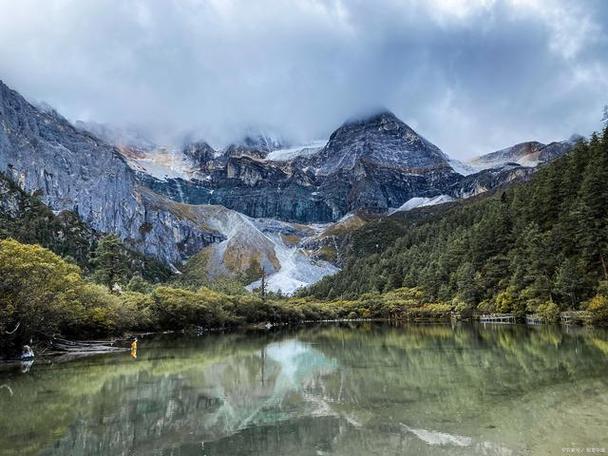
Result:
[[367, 389]]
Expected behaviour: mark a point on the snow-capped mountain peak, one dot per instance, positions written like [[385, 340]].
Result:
[[382, 139]]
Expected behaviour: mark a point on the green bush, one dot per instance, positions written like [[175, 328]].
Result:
[[176, 308], [39, 291], [598, 309], [43, 296], [548, 311]]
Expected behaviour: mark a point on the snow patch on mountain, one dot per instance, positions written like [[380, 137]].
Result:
[[524, 154], [528, 161], [418, 201], [499, 163], [462, 168], [346, 218], [297, 269], [162, 163], [296, 151], [288, 267]]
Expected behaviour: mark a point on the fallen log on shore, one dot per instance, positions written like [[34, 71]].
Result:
[[86, 347]]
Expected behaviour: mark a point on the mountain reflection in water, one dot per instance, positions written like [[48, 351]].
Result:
[[367, 389]]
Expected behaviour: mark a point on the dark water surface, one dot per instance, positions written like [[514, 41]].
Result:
[[365, 389]]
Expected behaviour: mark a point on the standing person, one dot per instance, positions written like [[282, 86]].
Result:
[[27, 353], [134, 348]]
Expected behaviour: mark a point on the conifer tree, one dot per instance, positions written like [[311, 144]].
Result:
[[110, 261]]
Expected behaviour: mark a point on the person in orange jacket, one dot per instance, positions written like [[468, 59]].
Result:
[[134, 348]]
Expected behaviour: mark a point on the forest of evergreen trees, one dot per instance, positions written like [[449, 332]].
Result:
[[27, 219], [534, 247], [540, 243]]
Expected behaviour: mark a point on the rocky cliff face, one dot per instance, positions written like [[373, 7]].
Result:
[[11, 201], [508, 165], [382, 140], [529, 154], [74, 170], [167, 202], [372, 164], [247, 245], [28, 220], [201, 154], [488, 179]]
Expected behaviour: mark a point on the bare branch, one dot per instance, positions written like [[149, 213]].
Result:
[[14, 330]]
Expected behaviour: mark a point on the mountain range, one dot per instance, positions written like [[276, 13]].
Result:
[[257, 203]]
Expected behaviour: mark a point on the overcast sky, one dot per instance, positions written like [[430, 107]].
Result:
[[471, 76]]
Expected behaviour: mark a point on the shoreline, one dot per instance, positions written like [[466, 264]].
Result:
[[114, 344]]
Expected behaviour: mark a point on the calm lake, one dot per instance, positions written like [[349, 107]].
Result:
[[361, 389]]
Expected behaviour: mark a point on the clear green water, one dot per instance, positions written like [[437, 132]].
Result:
[[326, 390]]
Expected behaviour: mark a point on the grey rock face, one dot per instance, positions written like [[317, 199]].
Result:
[[515, 163], [371, 164], [239, 150], [523, 152], [531, 154], [488, 179], [73, 170], [261, 142], [10, 204], [255, 145], [382, 140], [556, 149], [200, 153]]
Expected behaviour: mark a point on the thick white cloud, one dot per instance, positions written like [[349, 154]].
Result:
[[472, 76]]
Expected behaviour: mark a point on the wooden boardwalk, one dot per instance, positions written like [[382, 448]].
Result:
[[534, 319], [497, 318], [574, 317], [568, 318]]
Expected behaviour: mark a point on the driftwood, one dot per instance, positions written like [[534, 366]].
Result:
[[89, 346], [14, 330]]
